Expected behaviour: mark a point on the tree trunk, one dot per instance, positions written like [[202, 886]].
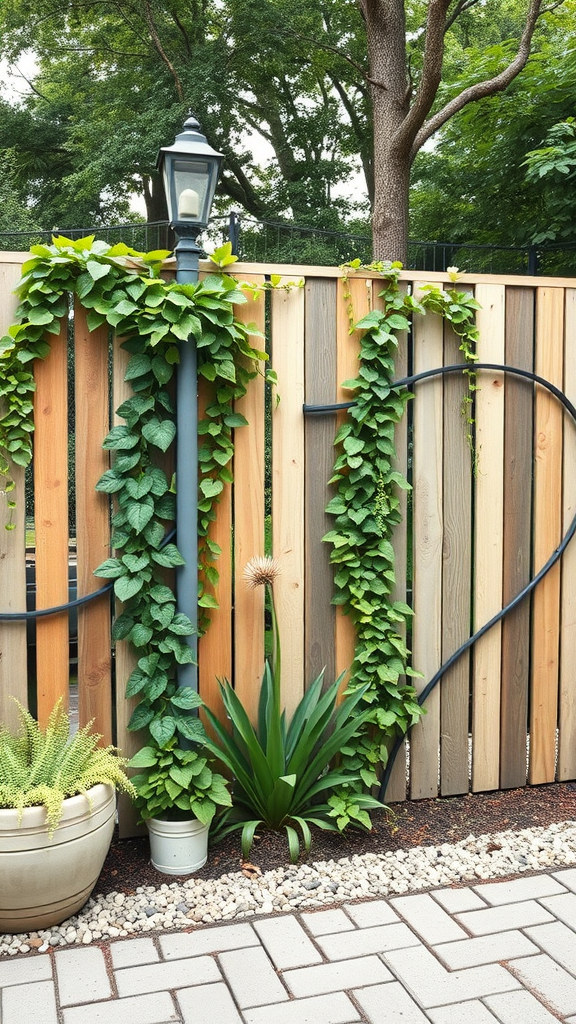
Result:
[[155, 199], [390, 211]]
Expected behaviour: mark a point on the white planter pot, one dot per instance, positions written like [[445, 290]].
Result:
[[43, 881], [177, 847]]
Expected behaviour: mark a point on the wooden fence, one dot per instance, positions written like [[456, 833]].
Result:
[[475, 540]]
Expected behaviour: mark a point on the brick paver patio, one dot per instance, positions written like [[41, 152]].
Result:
[[494, 952]]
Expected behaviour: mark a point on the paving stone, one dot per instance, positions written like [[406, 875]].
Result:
[[369, 915], [488, 949], [327, 921], [566, 877], [205, 1004], [335, 1008], [37, 1003], [472, 1012], [287, 943], [549, 980], [251, 977], [207, 940], [432, 985], [390, 1004], [198, 970], [558, 941], [518, 890], [82, 975], [336, 977], [20, 971], [563, 907], [519, 1008], [499, 919], [366, 940], [430, 921], [157, 1008], [456, 901], [133, 952]]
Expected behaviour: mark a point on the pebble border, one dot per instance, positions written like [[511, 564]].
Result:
[[318, 884]]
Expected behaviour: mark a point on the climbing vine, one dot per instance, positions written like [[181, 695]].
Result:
[[366, 508], [123, 289]]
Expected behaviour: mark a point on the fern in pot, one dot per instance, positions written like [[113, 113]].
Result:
[[57, 815], [178, 794]]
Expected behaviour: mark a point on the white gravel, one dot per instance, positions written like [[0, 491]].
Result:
[[319, 884]]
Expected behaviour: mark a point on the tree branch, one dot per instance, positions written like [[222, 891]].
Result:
[[486, 88], [461, 6], [160, 50]]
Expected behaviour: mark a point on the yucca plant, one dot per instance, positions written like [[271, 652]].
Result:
[[285, 775], [44, 766]]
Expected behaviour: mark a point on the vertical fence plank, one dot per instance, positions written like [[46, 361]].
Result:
[[215, 646], [125, 655], [567, 694], [518, 443], [288, 486], [352, 302], [320, 356], [92, 523], [13, 661], [488, 543], [456, 576], [51, 520], [396, 789], [427, 548], [249, 524], [547, 531]]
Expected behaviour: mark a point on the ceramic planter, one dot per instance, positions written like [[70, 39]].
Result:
[[43, 881], [177, 847]]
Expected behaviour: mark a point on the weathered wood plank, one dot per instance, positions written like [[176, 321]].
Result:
[[518, 441], [288, 486], [92, 523], [456, 575], [396, 789], [320, 370], [13, 660], [488, 546], [352, 303], [51, 520], [567, 692], [547, 533], [215, 646], [249, 524], [427, 551], [125, 655]]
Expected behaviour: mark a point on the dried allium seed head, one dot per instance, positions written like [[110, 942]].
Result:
[[261, 572]]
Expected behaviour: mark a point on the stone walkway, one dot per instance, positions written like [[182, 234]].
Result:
[[499, 951]]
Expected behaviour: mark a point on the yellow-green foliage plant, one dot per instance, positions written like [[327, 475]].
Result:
[[41, 767]]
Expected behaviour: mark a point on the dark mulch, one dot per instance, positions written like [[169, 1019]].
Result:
[[417, 823]]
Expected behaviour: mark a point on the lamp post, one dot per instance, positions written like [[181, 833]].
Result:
[[190, 170]]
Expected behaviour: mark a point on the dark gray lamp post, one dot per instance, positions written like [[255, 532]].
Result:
[[190, 170]]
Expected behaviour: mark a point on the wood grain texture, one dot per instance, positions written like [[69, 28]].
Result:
[[288, 487], [320, 374], [347, 366], [13, 658], [125, 656], [488, 542], [396, 789], [547, 533], [427, 552], [92, 523], [456, 576], [215, 646], [518, 444], [249, 524], [567, 691], [51, 520]]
